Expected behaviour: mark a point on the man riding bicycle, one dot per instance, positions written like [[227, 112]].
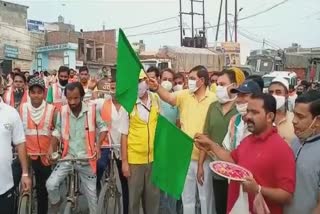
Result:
[[76, 127]]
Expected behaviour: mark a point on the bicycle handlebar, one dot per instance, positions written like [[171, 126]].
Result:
[[77, 159]]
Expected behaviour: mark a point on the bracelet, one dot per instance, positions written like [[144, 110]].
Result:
[[259, 189], [25, 175]]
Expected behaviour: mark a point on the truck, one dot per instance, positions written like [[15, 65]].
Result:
[[265, 61], [183, 59]]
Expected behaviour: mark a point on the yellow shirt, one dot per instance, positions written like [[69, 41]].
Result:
[[286, 129], [193, 113]]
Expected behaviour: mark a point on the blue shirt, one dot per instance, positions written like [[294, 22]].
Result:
[[170, 112]]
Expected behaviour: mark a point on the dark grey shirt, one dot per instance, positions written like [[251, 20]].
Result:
[[307, 190]]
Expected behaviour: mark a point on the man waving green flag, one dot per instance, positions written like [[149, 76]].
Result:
[[127, 75]]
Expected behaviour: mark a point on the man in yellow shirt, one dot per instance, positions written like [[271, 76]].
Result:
[[193, 105]]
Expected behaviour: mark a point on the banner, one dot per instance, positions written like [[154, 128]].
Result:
[[232, 53]]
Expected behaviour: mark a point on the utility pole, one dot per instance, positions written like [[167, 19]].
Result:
[[235, 20], [219, 18], [181, 27], [192, 24], [204, 26], [226, 21], [192, 13]]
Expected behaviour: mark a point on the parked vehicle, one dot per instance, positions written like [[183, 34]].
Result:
[[290, 76], [183, 59]]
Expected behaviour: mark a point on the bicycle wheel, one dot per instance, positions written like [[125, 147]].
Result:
[[68, 208], [24, 205], [109, 200]]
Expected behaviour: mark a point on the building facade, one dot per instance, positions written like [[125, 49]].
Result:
[[17, 44]]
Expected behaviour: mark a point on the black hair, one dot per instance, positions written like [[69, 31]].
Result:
[[258, 79], [155, 70], [83, 68], [215, 73], [269, 102], [30, 77], [17, 69], [36, 73], [19, 74], [178, 76], [313, 99], [46, 73], [202, 72], [72, 86], [63, 69], [306, 84], [167, 70], [231, 75]]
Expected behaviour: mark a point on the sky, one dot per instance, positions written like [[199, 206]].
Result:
[[294, 21]]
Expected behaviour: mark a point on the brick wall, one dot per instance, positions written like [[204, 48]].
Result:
[[107, 38]]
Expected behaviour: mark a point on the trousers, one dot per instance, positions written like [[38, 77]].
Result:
[[88, 182]]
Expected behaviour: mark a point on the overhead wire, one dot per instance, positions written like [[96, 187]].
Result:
[[150, 23], [255, 14], [161, 31]]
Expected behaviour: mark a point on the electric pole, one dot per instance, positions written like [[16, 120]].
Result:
[[236, 21], [226, 21], [219, 18], [181, 27], [192, 13]]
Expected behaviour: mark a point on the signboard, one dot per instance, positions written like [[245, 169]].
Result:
[[232, 53], [11, 51], [79, 63], [59, 47], [35, 26]]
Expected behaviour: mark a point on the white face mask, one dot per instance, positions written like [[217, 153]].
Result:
[[242, 108], [142, 88], [222, 94], [167, 85], [192, 85], [178, 87], [281, 100]]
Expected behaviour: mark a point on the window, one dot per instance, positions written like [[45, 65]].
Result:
[[98, 53]]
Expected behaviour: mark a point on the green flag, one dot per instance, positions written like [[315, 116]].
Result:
[[127, 75], [172, 155]]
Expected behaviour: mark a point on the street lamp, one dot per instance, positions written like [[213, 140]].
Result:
[[236, 17]]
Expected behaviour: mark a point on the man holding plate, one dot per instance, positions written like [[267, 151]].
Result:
[[264, 153]]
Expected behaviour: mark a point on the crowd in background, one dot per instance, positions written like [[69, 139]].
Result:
[[275, 135]]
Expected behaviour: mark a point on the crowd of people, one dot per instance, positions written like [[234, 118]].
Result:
[[274, 135]]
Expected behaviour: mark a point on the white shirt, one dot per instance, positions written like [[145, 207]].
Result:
[[11, 130], [291, 102], [143, 114], [241, 132], [117, 118]]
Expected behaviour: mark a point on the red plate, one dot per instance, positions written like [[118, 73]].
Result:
[[229, 170]]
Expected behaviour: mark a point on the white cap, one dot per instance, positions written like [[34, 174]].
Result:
[[282, 81]]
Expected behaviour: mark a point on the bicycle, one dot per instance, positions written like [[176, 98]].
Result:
[[73, 186], [27, 200], [109, 200]]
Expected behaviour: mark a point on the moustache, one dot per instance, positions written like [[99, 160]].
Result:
[[249, 121]]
